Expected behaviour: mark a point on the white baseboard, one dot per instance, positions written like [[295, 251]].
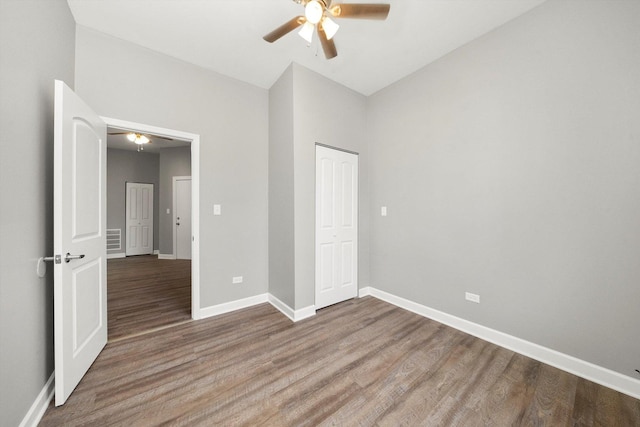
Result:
[[227, 307], [116, 255], [573, 365], [294, 315], [166, 256], [363, 292], [40, 405], [156, 251]]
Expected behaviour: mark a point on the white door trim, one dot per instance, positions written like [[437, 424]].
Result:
[[175, 212], [195, 195]]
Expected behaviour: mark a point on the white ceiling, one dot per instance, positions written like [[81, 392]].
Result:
[[226, 35]]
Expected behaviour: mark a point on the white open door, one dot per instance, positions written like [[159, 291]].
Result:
[[336, 226], [139, 222], [80, 281]]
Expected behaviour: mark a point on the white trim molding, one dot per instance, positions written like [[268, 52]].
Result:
[[40, 405], [363, 292], [293, 315], [228, 307], [166, 256], [117, 255], [571, 364]]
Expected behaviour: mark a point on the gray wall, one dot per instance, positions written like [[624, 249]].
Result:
[[130, 166], [281, 214], [36, 46], [173, 162], [328, 113], [307, 108], [510, 170], [231, 118]]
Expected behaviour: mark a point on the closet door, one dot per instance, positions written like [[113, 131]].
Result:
[[336, 226]]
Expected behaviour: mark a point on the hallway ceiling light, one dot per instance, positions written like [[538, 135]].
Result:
[[139, 138]]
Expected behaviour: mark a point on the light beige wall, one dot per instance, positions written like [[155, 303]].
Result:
[[36, 46], [510, 170], [124, 81]]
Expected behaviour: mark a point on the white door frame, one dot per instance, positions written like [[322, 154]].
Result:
[[195, 195], [175, 213]]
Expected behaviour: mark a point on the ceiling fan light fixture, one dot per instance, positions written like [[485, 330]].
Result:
[[330, 27], [131, 136], [307, 31], [141, 139], [313, 11]]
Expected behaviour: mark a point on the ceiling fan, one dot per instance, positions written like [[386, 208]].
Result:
[[318, 14], [139, 138]]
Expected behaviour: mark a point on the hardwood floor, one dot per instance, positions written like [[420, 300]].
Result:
[[145, 293], [361, 362]]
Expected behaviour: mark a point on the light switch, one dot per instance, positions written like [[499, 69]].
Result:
[[168, 211], [383, 211], [217, 210]]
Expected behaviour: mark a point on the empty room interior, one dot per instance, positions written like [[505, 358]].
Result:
[[426, 215]]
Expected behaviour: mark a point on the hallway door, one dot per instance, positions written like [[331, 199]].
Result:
[[182, 209], [139, 222]]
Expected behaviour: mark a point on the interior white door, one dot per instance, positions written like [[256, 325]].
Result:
[[79, 239], [139, 223], [182, 209], [336, 226]]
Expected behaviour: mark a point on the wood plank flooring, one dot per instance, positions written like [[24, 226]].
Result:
[[145, 293], [361, 362]]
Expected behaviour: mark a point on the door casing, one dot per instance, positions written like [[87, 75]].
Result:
[[196, 311]]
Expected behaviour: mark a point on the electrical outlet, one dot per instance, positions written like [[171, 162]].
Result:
[[237, 279], [472, 297], [217, 210]]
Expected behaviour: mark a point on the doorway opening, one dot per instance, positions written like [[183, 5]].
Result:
[[150, 292]]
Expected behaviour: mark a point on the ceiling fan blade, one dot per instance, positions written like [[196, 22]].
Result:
[[285, 29], [161, 137], [118, 133], [328, 46], [361, 11]]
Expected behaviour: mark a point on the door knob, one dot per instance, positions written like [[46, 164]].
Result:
[[68, 257]]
